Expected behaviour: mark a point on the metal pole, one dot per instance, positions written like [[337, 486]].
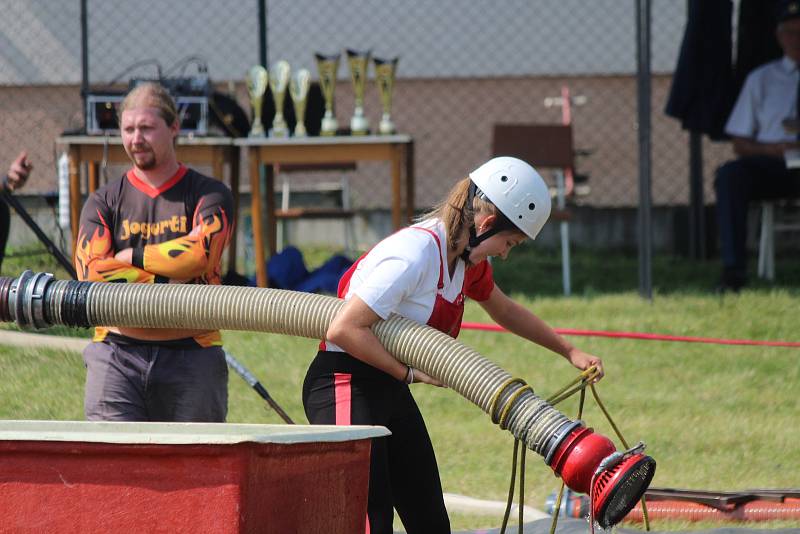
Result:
[[697, 219], [262, 33], [8, 198], [645, 134], [253, 382], [564, 227], [264, 59], [84, 59]]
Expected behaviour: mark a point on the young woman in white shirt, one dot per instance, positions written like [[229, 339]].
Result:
[[425, 272]]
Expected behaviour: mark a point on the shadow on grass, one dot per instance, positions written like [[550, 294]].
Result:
[[533, 272]]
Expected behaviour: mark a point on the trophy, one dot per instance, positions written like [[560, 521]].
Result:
[[384, 78], [298, 88], [278, 82], [257, 78], [359, 63], [328, 66]]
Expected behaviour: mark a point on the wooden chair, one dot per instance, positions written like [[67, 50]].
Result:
[[341, 188], [545, 146]]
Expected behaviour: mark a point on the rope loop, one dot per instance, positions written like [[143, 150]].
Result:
[[584, 379], [498, 418]]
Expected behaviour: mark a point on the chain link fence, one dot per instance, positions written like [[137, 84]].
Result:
[[465, 65]]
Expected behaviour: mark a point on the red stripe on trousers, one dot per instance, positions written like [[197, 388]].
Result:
[[342, 398]]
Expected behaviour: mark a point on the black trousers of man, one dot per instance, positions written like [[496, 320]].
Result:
[[738, 183]]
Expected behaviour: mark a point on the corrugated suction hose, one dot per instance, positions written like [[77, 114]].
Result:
[[38, 300]]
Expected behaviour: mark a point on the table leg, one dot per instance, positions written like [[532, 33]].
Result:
[[218, 165], [233, 161], [74, 193], [256, 217], [397, 193], [94, 175], [269, 190]]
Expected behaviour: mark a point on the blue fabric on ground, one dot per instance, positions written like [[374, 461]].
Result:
[[325, 278], [287, 270]]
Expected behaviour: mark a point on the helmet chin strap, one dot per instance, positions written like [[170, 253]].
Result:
[[501, 223]]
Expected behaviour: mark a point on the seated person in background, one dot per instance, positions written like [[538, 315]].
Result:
[[764, 140], [161, 222], [17, 175]]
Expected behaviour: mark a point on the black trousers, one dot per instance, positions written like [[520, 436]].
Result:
[[339, 389], [739, 182]]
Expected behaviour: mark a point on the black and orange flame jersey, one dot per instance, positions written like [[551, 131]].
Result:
[[177, 234]]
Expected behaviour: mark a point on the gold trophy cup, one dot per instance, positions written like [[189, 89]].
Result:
[[328, 67], [384, 77], [257, 79], [359, 63], [298, 88], [278, 83]]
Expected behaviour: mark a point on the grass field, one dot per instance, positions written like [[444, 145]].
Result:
[[715, 417]]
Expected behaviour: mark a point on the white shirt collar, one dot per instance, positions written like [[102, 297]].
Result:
[[789, 65]]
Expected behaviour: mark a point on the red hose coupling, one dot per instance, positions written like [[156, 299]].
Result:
[[578, 456]]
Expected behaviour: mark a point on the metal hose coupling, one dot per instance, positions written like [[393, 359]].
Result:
[[38, 300]]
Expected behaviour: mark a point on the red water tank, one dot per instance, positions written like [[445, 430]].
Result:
[[80, 477]]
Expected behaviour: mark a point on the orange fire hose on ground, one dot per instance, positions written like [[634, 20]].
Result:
[[758, 505]]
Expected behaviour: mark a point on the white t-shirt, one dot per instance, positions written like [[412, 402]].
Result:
[[400, 275], [769, 96]]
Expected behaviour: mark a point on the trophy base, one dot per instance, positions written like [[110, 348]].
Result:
[[329, 126], [257, 133], [300, 131], [359, 125], [279, 127], [386, 126]]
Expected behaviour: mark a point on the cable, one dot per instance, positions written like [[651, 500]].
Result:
[[136, 65], [202, 65]]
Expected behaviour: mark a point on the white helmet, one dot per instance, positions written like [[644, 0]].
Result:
[[517, 190]]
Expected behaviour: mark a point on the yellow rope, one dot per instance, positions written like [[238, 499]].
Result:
[[584, 376], [584, 379], [557, 509], [497, 394], [510, 500], [624, 444], [510, 402]]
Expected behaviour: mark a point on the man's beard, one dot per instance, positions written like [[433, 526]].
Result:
[[144, 160]]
